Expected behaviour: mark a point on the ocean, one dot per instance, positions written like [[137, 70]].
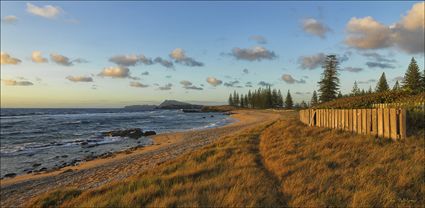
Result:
[[38, 139]]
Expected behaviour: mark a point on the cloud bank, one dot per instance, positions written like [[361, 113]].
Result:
[[5, 58], [406, 34], [256, 53]]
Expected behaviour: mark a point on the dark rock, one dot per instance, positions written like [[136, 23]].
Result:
[[203, 117], [28, 172], [84, 143], [10, 175], [149, 133], [43, 169], [132, 133], [68, 171], [64, 156], [36, 165]]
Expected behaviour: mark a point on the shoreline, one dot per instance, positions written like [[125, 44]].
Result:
[[119, 166], [104, 158], [112, 153]]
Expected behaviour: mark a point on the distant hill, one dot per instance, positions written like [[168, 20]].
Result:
[[140, 107], [174, 104]]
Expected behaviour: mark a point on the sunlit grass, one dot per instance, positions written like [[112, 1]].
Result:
[[319, 167], [282, 164]]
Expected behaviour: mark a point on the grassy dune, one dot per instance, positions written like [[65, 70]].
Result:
[[280, 164]]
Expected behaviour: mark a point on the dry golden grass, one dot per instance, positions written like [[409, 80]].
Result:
[[228, 173], [320, 167], [282, 164]]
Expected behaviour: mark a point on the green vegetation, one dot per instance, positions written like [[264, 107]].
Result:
[[314, 100], [259, 99], [412, 78], [406, 99], [288, 101], [382, 85], [273, 165], [329, 84]]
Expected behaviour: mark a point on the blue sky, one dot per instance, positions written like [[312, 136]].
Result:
[[277, 42]]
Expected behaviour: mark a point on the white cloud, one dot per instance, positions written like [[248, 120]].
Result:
[[130, 60], [256, 53], [10, 19], [5, 58], [290, 80], [60, 59], [47, 11], [79, 78], [115, 72], [367, 33], [138, 84], [311, 62], [214, 81], [179, 56], [189, 86], [165, 87], [314, 27], [352, 69], [37, 57], [406, 35], [11, 82]]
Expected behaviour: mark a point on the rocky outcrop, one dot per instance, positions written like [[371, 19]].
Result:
[[131, 133]]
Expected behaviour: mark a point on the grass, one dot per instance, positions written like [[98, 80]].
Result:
[[272, 165], [320, 167]]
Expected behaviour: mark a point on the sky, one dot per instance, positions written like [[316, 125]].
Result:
[[112, 54]]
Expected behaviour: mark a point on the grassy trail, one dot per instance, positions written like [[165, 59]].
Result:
[[274, 164]]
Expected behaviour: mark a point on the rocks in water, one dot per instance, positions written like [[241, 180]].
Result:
[[10, 175], [84, 143], [149, 133], [64, 156], [36, 165], [211, 116], [131, 133]]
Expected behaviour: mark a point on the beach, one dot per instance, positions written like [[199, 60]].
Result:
[[118, 166]]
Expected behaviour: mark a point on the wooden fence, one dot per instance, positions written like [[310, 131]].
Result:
[[381, 122]]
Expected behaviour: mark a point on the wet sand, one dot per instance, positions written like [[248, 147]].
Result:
[[14, 192]]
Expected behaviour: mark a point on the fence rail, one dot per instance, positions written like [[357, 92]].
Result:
[[381, 122]]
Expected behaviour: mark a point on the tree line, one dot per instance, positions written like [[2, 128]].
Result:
[[261, 98], [413, 82]]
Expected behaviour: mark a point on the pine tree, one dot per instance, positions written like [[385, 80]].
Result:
[[235, 98], [355, 90], [288, 101], [382, 85], [423, 81], [314, 101], [303, 104], [279, 99], [412, 78], [370, 90], [249, 99], [396, 86], [275, 101], [329, 85], [231, 100], [242, 100], [339, 94]]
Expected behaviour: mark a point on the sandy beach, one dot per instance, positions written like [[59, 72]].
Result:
[[17, 191]]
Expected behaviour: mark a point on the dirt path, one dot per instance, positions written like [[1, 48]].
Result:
[[15, 192]]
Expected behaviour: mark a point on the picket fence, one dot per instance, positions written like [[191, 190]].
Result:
[[380, 122]]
